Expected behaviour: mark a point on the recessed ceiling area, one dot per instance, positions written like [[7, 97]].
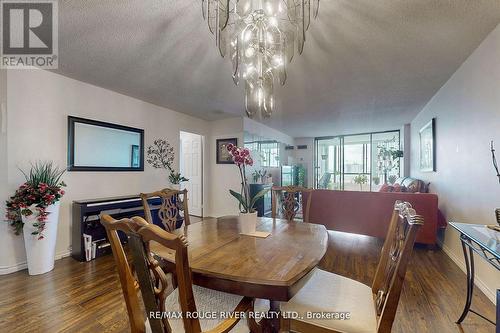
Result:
[[367, 65]]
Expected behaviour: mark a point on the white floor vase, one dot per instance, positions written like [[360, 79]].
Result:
[[40, 253]]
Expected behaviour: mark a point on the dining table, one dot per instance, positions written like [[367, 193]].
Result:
[[269, 268]]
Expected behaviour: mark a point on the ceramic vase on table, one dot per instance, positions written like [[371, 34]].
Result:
[[40, 253], [247, 222]]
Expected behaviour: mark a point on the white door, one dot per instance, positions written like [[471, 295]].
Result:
[[191, 165]]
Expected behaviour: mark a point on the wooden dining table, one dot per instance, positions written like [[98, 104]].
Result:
[[268, 268]]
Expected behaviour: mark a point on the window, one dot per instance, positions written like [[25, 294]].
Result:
[[268, 152], [361, 162]]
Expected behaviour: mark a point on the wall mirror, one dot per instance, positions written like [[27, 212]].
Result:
[[99, 146]]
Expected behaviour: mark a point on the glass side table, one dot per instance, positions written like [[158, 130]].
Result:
[[485, 243]]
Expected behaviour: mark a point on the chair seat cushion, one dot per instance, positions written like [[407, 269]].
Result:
[[207, 301], [332, 294]]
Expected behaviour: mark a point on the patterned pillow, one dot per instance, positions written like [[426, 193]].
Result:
[[386, 188]]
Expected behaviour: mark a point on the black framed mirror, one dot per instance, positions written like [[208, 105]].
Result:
[[100, 146]]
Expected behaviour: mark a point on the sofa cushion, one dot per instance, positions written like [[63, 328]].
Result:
[[413, 185]]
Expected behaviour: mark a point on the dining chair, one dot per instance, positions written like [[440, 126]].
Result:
[[287, 201], [173, 202], [354, 306], [156, 286]]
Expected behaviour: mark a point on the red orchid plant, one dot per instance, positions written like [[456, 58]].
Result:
[[242, 159], [43, 187]]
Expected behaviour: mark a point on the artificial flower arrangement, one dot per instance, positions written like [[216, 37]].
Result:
[[241, 157], [42, 188]]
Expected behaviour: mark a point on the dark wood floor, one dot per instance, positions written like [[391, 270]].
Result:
[[86, 297]]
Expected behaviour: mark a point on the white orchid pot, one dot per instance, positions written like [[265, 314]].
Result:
[[175, 187], [248, 222], [40, 253]]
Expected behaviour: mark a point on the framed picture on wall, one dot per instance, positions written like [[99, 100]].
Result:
[[223, 156], [428, 147], [135, 157]]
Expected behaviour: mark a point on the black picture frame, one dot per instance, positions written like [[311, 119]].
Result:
[[427, 147], [135, 158], [71, 145], [223, 156]]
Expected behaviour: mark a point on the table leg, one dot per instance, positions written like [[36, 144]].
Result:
[[271, 324], [274, 306], [498, 312], [469, 265]]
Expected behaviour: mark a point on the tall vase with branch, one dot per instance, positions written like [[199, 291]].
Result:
[[161, 156], [495, 165], [248, 216]]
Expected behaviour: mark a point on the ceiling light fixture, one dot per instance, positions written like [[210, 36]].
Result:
[[260, 36]]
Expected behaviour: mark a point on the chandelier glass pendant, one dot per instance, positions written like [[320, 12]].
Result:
[[260, 37]]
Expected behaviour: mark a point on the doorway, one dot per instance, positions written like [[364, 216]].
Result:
[[191, 167]]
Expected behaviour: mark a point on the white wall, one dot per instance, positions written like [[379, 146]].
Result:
[[264, 131], [224, 176], [467, 111], [38, 105], [5, 231]]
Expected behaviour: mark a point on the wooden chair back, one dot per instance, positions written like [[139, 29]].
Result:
[[288, 200], [395, 255], [154, 282], [173, 202], [130, 285]]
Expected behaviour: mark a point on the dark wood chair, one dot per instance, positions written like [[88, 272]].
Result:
[[126, 272], [173, 202], [156, 287], [371, 309], [288, 201]]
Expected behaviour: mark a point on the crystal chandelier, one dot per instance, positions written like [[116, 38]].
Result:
[[260, 36]]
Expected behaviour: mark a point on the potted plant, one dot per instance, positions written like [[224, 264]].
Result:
[[248, 216], [161, 156], [34, 211], [388, 158], [360, 180]]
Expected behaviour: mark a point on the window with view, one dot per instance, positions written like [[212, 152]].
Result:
[[360, 162]]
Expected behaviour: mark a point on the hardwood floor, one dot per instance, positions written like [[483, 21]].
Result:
[[86, 297]]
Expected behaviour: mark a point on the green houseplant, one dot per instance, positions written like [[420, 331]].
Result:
[[360, 180], [388, 158]]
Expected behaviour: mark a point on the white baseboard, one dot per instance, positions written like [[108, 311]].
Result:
[[491, 294], [24, 265]]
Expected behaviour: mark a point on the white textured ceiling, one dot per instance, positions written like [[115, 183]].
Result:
[[367, 64]]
